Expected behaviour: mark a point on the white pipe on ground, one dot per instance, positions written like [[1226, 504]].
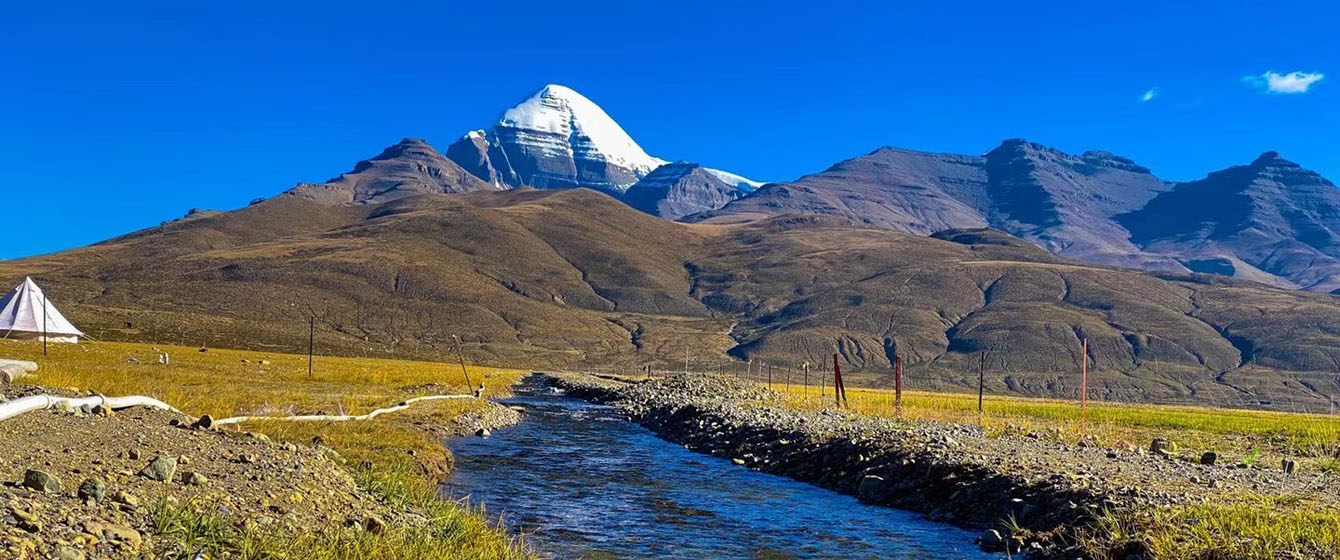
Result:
[[341, 417], [16, 407]]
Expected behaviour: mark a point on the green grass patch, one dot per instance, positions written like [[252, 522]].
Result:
[[1256, 528]]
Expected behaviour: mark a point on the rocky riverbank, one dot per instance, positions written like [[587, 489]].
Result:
[[1025, 492], [94, 483]]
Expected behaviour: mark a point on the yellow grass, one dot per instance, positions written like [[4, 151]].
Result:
[[1231, 432], [1247, 528], [407, 460]]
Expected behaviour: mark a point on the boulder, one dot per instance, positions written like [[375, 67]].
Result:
[[161, 468], [41, 481], [93, 489]]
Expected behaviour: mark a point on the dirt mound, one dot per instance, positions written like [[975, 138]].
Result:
[[93, 483]]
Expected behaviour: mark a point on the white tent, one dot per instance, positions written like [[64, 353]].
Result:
[[25, 313]]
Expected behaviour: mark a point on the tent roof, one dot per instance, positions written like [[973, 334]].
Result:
[[24, 309]]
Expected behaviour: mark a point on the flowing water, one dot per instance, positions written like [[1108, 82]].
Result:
[[583, 482]]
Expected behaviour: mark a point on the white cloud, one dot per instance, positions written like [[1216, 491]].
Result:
[[1149, 95], [1293, 82]]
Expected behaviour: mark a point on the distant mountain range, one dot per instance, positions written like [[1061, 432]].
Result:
[[1016, 254], [1271, 221], [574, 278]]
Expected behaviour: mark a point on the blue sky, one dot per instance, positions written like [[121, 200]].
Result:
[[115, 118]]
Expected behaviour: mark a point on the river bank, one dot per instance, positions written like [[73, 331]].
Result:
[[1051, 499], [581, 481], [142, 482]]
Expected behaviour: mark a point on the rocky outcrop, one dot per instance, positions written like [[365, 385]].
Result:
[[675, 190], [406, 168]]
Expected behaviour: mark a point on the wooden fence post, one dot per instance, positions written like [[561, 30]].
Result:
[[839, 388], [898, 384], [1084, 383], [981, 381]]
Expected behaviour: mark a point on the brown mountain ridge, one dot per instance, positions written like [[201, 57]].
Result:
[[570, 278]]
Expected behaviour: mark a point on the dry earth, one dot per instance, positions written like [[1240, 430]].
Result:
[[244, 476]]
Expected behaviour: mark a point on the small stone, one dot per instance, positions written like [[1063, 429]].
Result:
[[93, 489], [103, 411], [30, 526], [67, 553], [250, 458], [205, 422], [123, 536], [22, 515], [160, 468], [1209, 458], [1160, 446], [41, 481], [992, 540], [483, 432], [193, 478], [133, 454], [123, 497], [1289, 466]]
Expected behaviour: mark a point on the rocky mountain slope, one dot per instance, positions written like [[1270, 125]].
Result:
[[1271, 221], [575, 278], [409, 167], [675, 190], [558, 138]]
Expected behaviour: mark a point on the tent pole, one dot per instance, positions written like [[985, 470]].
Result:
[[44, 323]]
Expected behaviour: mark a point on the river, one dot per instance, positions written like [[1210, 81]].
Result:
[[580, 481]]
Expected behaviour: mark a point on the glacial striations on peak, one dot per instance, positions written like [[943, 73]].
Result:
[[557, 138]]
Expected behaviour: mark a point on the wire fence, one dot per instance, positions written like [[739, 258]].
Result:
[[1168, 382], [1160, 372]]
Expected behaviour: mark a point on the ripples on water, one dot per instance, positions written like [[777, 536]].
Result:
[[582, 482]]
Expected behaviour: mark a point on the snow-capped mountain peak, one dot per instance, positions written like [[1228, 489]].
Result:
[[557, 138], [559, 110]]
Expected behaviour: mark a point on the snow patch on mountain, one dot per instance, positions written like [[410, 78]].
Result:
[[560, 110], [557, 138]]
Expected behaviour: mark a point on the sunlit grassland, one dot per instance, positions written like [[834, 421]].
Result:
[[406, 459], [1246, 528], [1203, 428]]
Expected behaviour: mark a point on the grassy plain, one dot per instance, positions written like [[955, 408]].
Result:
[[1229, 432], [406, 458], [1249, 526]]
